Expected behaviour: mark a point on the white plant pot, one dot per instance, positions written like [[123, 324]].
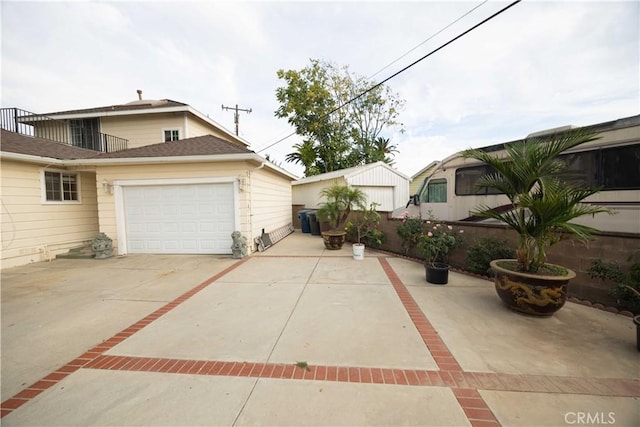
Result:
[[358, 251]]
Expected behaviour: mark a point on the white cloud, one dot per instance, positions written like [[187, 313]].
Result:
[[538, 65]]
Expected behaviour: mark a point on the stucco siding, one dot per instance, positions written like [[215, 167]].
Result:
[[35, 231], [270, 206], [144, 129], [107, 202]]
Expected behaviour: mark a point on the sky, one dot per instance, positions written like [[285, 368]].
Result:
[[539, 65]]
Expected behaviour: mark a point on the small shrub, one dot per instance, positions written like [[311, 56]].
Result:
[[485, 250], [410, 231], [626, 285]]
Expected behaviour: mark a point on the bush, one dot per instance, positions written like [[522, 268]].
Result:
[[626, 285], [485, 250], [410, 231]]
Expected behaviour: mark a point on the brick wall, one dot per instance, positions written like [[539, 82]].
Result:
[[576, 256]]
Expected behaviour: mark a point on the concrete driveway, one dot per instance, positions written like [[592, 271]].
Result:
[[298, 335]]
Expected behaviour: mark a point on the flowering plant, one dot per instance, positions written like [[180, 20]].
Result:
[[437, 241], [409, 230]]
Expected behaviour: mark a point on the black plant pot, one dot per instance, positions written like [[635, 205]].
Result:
[[437, 273]]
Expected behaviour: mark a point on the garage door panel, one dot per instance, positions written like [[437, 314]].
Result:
[[196, 218]]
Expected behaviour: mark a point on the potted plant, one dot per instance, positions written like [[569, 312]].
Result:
[[363, 227], [340, 200], [435, 244], [543, 203]]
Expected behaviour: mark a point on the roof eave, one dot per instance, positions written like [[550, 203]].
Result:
[[29, 158]]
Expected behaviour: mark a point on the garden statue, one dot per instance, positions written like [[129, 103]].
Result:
[[102, 245], [239, 246]]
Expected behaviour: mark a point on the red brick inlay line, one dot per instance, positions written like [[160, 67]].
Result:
[[457, 380], [451, 374], [91, 356], [439, 351]]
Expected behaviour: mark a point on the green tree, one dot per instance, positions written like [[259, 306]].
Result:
[[339, 137]]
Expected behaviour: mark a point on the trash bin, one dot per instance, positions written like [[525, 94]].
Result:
[[304, 221], [314, 224]]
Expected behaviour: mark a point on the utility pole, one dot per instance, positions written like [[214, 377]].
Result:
[[236, 115]]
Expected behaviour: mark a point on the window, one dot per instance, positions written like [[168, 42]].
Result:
[[621, 168], [171, 135], [436, 191], [84, 133], [616, 168], [466, 179], [61, 187], [581, 168]]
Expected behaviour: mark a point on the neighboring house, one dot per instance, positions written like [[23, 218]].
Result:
[[379, 181], [418, 179], [185, 196], [116, 127]]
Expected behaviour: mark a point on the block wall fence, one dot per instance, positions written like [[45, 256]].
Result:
[[616, 247]]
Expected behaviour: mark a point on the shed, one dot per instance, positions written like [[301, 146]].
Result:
[[379, 181]]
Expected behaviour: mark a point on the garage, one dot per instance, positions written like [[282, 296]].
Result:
[[179, 219]]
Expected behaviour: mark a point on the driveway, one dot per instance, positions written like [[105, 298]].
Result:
[[298, 335]]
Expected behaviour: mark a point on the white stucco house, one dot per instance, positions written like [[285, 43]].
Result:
[[379, 181]]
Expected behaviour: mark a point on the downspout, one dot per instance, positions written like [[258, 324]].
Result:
[[250, 197]]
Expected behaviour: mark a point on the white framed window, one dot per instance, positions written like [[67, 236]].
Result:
[[171, 135], [60, 186]]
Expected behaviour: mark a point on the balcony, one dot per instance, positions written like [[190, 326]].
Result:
[[78, 133]]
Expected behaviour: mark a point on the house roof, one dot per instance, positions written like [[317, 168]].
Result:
[[198, 149], [144, 104], [196, 146], [347, 173], [12, 142]]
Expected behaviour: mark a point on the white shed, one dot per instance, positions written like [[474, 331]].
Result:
[[379, 181]]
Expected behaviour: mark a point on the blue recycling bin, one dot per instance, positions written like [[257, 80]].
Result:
[[304, 221]]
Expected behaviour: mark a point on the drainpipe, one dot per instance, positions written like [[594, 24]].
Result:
[[249, 201]]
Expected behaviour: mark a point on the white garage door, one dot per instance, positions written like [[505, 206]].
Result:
[[179, 219]]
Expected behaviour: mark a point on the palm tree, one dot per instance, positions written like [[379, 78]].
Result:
[[305, 155], [543, 202], [383, 149]]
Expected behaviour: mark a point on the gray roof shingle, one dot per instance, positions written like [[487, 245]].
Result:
[[205, 145], [137, 105], [12, 142]]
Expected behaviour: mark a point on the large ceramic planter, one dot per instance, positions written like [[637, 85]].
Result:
[[437, 273], [539, 295], [333, 240]]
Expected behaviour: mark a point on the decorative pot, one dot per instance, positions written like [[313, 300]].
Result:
[[333, 240], [636, 320], [358, 251], [536, 294], [437, 273]]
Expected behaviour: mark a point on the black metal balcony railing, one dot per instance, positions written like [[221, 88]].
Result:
[[41, 126]]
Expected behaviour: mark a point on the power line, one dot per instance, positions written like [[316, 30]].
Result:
[[426, 40], [403, 69]]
